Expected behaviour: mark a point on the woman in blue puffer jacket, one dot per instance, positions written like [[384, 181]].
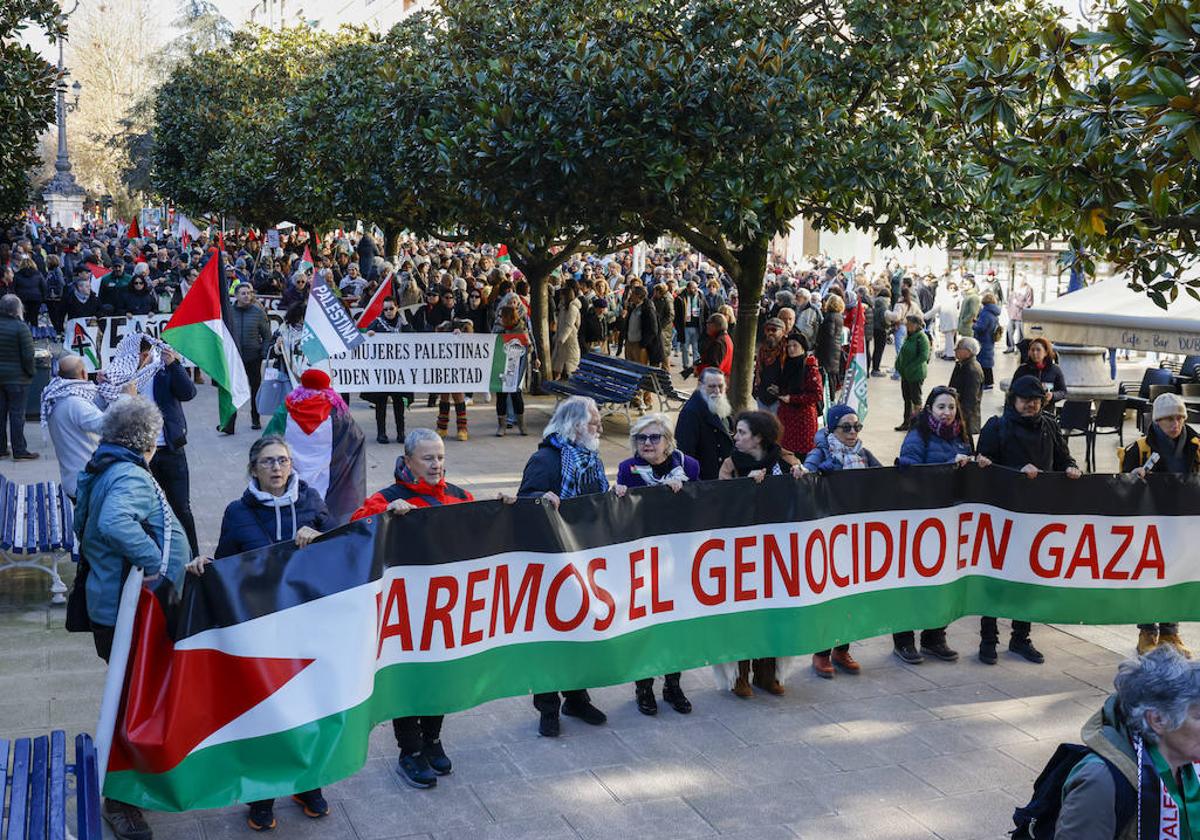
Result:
[[937, 436], [985, 328], [276, 507]]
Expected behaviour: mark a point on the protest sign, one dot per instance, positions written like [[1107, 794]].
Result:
[[269, 675], [429, 363], [96, 339]]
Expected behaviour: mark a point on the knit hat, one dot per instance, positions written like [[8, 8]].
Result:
[[1169, 405], [774, 322], [835, 414], [317, 380], [1027, 387]]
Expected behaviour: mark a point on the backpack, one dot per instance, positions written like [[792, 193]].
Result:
[[1038, 819]]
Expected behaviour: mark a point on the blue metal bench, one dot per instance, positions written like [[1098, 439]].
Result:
[[35, 788], [611, 387], [36, 527], [653, 379]]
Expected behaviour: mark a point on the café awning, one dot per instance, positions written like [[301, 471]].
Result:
[[1110, 314]]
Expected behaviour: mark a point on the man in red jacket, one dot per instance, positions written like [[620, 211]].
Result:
[[420, 483]]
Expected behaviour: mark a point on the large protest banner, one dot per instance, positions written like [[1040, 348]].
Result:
[[430, 362], [96, 339], [267, 676]]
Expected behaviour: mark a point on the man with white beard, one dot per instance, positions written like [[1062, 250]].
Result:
[[566, 464], [703, 428]]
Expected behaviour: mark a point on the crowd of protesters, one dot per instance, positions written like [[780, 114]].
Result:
[[121, 441]]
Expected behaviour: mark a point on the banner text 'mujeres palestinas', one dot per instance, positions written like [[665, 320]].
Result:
[[302, 651]]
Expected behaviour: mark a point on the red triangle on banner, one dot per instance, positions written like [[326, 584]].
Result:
[[159, 723]]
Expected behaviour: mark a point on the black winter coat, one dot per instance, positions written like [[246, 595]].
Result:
[[1011, 440], [829, 342], [249, 524], [704, 436], [29, 285], [967, 379]]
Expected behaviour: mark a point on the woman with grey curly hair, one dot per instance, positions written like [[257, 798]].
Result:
[[1139, 782], [122, 519]]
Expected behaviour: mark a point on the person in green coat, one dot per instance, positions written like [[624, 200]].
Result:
[[968, 311], [912, 363]]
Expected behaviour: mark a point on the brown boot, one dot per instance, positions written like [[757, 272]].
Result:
[[765, 675], [845, 661], [741, 686], [1174, 641], [821, 664], [1147, 641]]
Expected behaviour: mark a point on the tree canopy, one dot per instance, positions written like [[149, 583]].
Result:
[[27, 89], [1095, 134]]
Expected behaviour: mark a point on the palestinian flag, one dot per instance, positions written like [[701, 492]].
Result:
[[200, 331], [99, 272], [502, 254], [327, 445], [306, 261], [375, 304], [134, 231], [854, 389]]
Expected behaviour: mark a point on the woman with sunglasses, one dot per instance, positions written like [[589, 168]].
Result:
[[938, 435], [475, 310], [656, 462], [277, 506], [837, 447], [138, 299]]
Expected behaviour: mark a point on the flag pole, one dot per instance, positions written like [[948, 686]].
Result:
[[118, 665]]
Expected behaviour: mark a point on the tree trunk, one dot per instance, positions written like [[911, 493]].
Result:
[[748, 277], [536, 270], [391, 242]]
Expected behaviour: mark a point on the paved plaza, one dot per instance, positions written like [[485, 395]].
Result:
[[898, 753]]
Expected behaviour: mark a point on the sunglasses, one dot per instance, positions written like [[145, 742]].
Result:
[[850, 427], [650, 438]]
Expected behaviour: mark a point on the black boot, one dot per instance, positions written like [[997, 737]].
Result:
[[673, 694], [644, 695]]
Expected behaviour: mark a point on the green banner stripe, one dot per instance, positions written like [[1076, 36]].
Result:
[[497, 364], [335, 747]]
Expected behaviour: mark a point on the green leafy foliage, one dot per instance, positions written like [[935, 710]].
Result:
[[27, 88], [1095, 134]]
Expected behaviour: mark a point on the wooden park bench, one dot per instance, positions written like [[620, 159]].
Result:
[[612, 387], [36, 529], [35, 788]]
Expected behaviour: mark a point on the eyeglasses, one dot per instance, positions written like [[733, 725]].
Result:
[[279, 461], [850, 427], [650, 438]]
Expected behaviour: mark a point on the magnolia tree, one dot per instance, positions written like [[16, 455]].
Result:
[[26, 97], [1095, 134]]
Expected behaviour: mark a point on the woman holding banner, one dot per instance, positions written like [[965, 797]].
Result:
[[938, 436], [656, 462], [276, 506], [757, 454]]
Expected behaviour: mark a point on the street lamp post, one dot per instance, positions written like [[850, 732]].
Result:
[[63, 195]]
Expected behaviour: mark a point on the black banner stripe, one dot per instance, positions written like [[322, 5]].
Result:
[[260, 582]]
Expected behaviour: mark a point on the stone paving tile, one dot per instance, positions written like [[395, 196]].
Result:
[[755, 724], [762, 832], [662, 818], [963, 700], [1033, 754], [539, 827], [889, 743], [963, 734], [576, 749], [778, 803], [17, 713], [448, 807], [881, 824], [669, 735], [870, 789], [521, 798], [775, 762], [662, 779], [967, 772], [981, 815], [893, 709]]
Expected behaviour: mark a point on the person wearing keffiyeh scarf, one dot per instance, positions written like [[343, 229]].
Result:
[[566, 464], [127, 365], [71, 418]]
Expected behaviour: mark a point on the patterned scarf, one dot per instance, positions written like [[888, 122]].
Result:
[[850, 457], [124, 367], [582, 472], [645, 471], [946, 431], [60, 389]]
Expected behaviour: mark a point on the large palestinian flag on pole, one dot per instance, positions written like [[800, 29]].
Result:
[[269, 673], [854, 389], [200, 330]]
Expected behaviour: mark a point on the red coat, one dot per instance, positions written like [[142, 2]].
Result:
[[717, 352], [416, 493]]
